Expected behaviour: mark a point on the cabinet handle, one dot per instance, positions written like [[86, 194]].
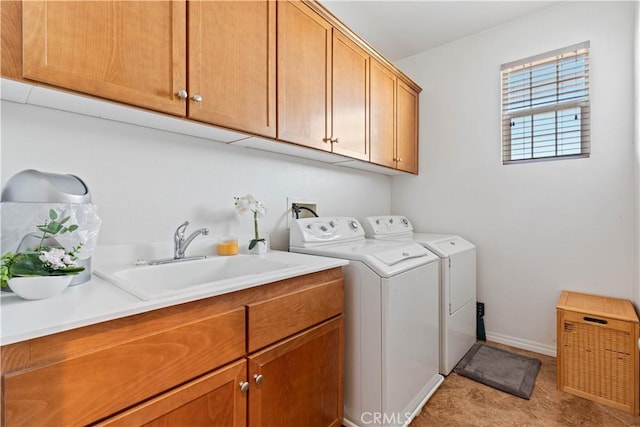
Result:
[[244, 386], [182, 94], [258, 378], [196, 98], [325, 140], [399, 159], [335, 141]]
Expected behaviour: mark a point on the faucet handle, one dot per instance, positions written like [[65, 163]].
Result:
[[182, 227]]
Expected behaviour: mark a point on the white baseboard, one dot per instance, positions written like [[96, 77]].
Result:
[[522, 344]]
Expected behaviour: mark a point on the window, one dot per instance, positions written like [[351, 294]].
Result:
[[545, 106]]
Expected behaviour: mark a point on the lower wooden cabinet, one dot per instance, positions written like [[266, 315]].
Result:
[[298, 382], [265, 356], [216, 399], [85, 386]]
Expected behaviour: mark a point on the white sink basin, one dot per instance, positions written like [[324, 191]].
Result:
[[214, 275]]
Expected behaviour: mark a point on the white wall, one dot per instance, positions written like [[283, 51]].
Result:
[[539, 227], [146, 182]]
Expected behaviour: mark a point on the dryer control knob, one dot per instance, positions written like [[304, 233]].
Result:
[[354, 225], [405, 221]]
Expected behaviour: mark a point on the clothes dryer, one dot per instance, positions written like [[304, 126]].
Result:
[[457, 282], [391, 319]]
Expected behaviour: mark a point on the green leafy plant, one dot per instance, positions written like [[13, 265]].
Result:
[[249, 203], [42, 260]]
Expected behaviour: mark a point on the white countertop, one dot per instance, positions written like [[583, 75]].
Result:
[[98, 300]]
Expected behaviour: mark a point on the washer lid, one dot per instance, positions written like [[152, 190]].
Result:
[[383, 257], [401, 253], [446, 247]]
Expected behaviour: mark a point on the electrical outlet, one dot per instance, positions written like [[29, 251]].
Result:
[[304, 207]]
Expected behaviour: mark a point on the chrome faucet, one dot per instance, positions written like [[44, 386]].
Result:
[[180, 244]]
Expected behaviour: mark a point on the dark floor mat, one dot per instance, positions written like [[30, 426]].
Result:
[[501, 369]]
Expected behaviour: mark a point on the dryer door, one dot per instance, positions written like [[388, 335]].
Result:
[[462, 279]]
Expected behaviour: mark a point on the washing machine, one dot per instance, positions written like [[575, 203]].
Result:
[[457, 282], [391, 319]]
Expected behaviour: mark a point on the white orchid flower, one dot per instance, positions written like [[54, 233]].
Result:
[[250, 203]]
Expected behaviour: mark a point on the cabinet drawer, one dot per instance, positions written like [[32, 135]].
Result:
[[91, 386], [277, 318]]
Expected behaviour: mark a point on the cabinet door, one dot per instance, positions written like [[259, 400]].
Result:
[[304, 76], [213, 400], [128, 51], [89, 386], [350, 113], [300, 380], [407, 128], [232, 64], [382, 115]]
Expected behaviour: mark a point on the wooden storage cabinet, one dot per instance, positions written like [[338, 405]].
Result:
[[597, 349], [190, 364], [394, 120], [298, 382], [383, 115], [232, 64], [136, 52], [83, 388], [213, 400], [407, 128], [323, 80], [215, 63], [304, 76], [129, 51], [350, 99]]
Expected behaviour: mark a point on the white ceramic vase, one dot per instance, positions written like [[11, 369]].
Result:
[[39, 287], [259, 249]]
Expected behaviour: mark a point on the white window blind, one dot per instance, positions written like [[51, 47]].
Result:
[[545, 106]]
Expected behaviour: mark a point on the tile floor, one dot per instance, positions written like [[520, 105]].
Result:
[[463, 402]]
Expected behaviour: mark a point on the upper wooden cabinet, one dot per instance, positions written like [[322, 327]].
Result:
[[286, 70], [232, 64], [383, 115], [350, 112], [129, 51], [304, 76], [407, 128], [322, 84], [394, 120]]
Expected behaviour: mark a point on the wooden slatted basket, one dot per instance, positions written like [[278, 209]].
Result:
[[597, 349]]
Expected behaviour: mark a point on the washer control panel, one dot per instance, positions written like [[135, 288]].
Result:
[[307, 231], [386, 225]]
